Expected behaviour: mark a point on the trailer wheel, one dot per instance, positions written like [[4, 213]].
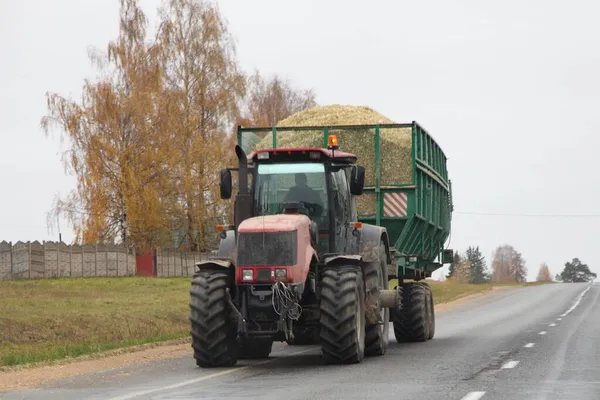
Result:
[[213, 335], [411, 323], [342, 330], [255, 349], [377, 335]]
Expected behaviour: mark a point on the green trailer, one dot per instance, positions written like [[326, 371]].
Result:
[[415, 206]]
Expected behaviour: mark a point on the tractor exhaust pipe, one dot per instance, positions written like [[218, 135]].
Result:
[[243, 202]]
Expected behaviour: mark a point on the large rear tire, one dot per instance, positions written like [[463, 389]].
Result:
[[377, 335], [431, 310], [213, 335], [342, 330], [411, 323]]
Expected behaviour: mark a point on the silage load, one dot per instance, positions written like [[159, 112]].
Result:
[[395, 143]]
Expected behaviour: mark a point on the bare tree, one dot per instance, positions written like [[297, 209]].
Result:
[[273, 99]]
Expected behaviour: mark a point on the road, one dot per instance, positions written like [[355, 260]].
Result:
[[537, 342]]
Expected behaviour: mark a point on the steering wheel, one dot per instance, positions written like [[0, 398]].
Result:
[[302, 206]]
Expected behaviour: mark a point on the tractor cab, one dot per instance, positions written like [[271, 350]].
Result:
[[316, 182]]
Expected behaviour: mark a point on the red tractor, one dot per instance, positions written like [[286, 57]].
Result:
[[297, 266]]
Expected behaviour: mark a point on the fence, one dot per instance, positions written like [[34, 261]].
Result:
[[35, 260], [177, 263]]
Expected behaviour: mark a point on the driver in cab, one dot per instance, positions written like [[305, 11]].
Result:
[[304, 193]]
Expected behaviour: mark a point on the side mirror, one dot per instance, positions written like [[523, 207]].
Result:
[[225, 186], [357, 180]]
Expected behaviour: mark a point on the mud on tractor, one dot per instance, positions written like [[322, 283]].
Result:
[[299, 267]]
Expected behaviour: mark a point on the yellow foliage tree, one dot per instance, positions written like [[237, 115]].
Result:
[[544, 274], [198, 57], [119, 154]]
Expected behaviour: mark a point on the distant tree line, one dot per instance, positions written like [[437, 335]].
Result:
[[508, 266]]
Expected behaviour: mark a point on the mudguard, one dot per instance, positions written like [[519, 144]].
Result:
[[369, 241], [215, 264], [343, 260]]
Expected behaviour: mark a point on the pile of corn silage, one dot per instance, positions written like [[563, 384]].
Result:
[[395, 143]]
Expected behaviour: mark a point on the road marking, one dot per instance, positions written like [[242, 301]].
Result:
[[202, 378], [552, 325], [529, 345], [576, 303], [543, 332], [473, 396], [559, 319], [510, 364]]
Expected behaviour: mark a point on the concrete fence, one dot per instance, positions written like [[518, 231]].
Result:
[[177, 263], [35, 260]]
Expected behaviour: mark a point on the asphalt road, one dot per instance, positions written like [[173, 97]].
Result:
[[528, 343]]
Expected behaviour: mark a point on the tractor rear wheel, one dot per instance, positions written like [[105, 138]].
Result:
[[411, 323], [342, 331], [377, 335], [213, 335], [431, 310]]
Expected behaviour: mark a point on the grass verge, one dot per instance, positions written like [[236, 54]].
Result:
[[53, 319]]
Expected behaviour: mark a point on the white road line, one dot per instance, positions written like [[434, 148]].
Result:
[[510, 364], [543, 332], [529, 345], [200, 379], [473, 396], [559, 319], [552, 325], [576, 303]]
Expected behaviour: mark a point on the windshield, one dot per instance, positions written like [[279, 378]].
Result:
[[303, 182]]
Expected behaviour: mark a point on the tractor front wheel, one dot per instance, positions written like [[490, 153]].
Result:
[[213, 335], [342, 330]]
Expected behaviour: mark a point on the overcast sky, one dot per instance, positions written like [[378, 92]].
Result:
[[510, 91]]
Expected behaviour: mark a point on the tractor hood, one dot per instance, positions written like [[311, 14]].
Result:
[[274, 223]]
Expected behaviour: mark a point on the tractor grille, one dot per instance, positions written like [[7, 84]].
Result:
[[268, 249], [263, 274]]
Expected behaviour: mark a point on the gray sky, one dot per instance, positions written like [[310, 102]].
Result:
[[508, 90]]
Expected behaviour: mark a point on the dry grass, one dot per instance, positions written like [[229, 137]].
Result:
[[395, 143], [51, 319]]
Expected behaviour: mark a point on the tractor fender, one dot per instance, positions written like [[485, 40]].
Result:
[[227, 246], [345, 259], [215, 263], [370, 239]]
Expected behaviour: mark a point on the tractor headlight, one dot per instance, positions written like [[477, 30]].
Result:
[[247, 275], [281, 273]]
